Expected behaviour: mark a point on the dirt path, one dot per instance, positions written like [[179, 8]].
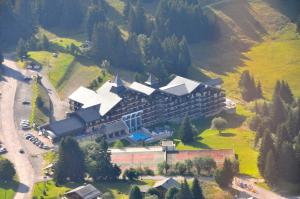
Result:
[[9, 134]]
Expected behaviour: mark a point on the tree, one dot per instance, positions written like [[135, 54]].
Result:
[[259, 92], [7, 170], [71, 14], [278, 113], [118, 144], [180, 168], [70, 164], [171, 193], [197, 190], [185, 130], [189, 165], [271, 170], [286, 93], [135, 193], [266, 146], [184, 191], [287, 163], [154, 191], [99, 164], [225, 175], [219, 123], [45, 43], [95, 14], [163, 167], [21, 49], [1, 58], [131, 174]]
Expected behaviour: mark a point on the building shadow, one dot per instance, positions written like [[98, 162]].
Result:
[[9, 72]]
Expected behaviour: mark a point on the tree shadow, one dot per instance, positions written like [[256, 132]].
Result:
[[9, 72], [288, 8], [227, 134]]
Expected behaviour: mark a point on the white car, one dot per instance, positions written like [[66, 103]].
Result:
[[3, 150]]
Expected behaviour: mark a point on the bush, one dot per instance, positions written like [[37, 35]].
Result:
[[132, 174]]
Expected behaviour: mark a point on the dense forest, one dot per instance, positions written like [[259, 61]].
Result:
[[156, 44], [277, 126]]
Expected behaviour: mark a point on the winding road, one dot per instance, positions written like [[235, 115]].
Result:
[[9, 135]]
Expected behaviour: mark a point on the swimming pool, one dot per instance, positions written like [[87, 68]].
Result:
[[139, 136]]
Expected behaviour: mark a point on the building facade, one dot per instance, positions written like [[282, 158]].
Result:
[[143, 105]]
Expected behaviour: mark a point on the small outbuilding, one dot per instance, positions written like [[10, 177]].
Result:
[[84, 192], [164, 185]]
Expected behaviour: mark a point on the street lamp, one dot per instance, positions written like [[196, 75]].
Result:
[[45, 178]]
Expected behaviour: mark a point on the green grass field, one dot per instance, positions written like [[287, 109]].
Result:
[[237, 137], [276, 58], [119, 190], [55, 67], [8, 190]]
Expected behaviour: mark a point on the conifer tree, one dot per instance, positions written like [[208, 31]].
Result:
[[278, 113], [171, 193], [287, 163], [286, 93], [271, 170], [259, 92], [266, 145], [186, 131], [1, 58], [196, 190], [184, 191], [70, 164], [21, 48], [135, 193]]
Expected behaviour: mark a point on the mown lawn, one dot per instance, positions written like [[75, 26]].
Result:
[[119, 190], [55, 67], [237, 137], [80, 73], [277, 58]]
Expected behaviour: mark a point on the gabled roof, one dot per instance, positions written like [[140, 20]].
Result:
[[141, 88], [214, 82], [152, 80], [89, 114], [82, 95], [180, 86], [65, 126], [167, 183], [86, 192]]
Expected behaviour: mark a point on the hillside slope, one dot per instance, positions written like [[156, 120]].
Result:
[[255, 36]]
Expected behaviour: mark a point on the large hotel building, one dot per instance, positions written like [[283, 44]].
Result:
[[117, 109]]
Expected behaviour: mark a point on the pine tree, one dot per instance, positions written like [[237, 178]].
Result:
[[186, 131], [291, 124], [1, 58], [271, 170], [72, 14], [126, 9], [135, 193], [278, 113], [286, 93], [45, 43], [287, 163], [184, 191], [184, 56], [259, 92], [225, 175], [297, 148], [277, 89], [196, 190], [171, 193], [21, 49], [95, 15], [7, 171], [71, 163], [266, 145]]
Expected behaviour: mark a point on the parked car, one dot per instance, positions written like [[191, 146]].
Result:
[[3, 150], [25, 102]]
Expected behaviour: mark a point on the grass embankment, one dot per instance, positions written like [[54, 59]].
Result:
[[119, 190], [40, 110], [237, 137]]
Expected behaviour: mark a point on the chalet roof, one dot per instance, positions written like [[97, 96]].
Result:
[[167, 183], [86, 192], [152, 80], [141, 88], [114, 127], [180, 86], [214, 82], [82, 95], [89, 114], [65, 126]]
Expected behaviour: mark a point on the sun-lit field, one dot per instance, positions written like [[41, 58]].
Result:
[[273, 59]]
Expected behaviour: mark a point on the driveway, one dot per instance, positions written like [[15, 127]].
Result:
[[9, 135]]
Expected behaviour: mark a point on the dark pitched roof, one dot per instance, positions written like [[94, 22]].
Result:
[[152, 80], [114, 127], [66, 126], [86, 192], [167, 183], [214, 82], [89, 114]]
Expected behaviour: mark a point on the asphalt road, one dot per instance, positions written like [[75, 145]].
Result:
[[9, 135]]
